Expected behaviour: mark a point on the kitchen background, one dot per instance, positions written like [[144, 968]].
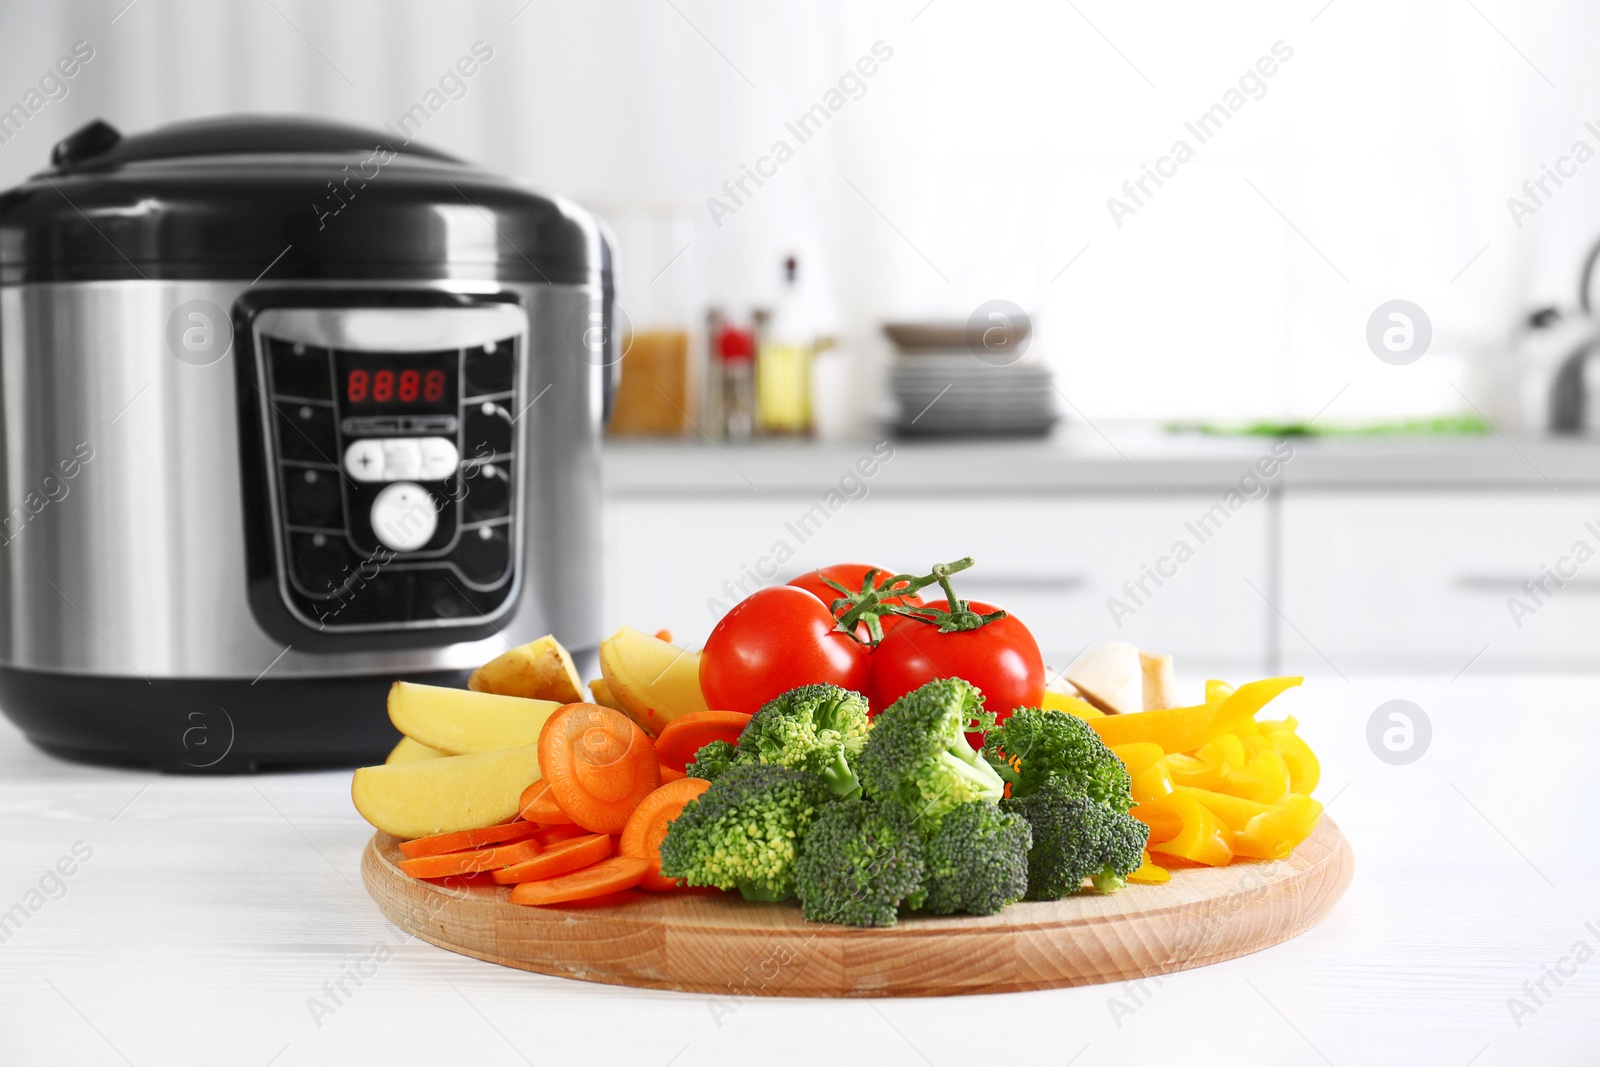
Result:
[[1203, 218]]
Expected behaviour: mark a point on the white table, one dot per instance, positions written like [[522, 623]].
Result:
[[212, 911]]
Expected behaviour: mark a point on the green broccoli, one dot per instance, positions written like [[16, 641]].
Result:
[[713, 758], [977, 860], [917, 753], [1075, 838], [859, 861], [815, 728], [742, 833], [1032, 746]]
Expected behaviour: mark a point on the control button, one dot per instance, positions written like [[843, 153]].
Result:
[[404, 516], [312, 497], [402, 459], [321, 562], [488, 429], [487, 490], [363, 460], [490, 368], [484, 554], [300, 370], [305, 432], [439, 458]]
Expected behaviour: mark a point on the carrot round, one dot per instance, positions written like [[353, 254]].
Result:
[[681, 738], [554, 835], [607, 876], [483, 859], [670, 775], [538, 805], [647, 828], [460, 840], [599, 765], [559, 859]]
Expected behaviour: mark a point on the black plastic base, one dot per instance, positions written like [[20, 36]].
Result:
[[216, 725]]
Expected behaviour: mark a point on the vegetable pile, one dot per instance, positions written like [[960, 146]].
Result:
[[841, 742]]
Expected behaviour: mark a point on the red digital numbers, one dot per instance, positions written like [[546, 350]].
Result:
[[384, 386]]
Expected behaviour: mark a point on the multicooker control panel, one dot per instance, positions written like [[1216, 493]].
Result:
[[393, 438]]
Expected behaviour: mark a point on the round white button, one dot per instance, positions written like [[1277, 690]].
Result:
[[363, 460], [404, 516]]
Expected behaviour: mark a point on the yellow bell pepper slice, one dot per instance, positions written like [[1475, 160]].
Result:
[[1147, 767], [1235, 812], [1224, 752], [1186, 729], [1149, 873], [1071, 705], [1264, 779], [1304, 769], [1240, 707], [1217, 692], [1274, 834], [1201, 836]]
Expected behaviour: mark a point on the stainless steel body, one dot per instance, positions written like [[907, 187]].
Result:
[[135, 565]]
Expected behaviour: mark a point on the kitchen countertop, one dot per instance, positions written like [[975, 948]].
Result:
[[211, 910], [1126, 458]]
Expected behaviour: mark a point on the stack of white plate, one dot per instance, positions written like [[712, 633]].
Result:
[[957, 393]]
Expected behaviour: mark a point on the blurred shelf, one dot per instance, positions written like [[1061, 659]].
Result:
[[1127, 458]]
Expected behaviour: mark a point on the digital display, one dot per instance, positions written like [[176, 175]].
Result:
[[404, 382]]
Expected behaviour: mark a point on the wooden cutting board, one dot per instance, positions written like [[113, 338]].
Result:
[[719, 944]]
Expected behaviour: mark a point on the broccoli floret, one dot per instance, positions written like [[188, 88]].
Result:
[[977, 860], [859, 861], [713, 758], [742, 833], [815, 728], [917, 753], [1075, 838], [1032, 746]]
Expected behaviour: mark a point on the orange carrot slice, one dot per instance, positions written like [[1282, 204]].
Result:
[[554, 835], [647, 828], [460, 840], [681, 738], [670, 775], [599, 765], [538, 805], [483, 859], [464, 881], [607, 876], [559, 859]]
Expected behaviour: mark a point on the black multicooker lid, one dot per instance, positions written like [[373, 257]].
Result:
[[243, 197]]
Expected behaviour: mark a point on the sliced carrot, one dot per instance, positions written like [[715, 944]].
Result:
[[607, 876], [539, 805], [460, 840], [647, 828], [664, 635], [464, 881], [599, 765], [483, 859], [559, 859], [681, 738], [554, 835], [670, 775]]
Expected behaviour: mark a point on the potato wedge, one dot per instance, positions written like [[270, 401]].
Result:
[[409, 751], [1110, 677], [1159, 680], [602, 694], [652, 681], [456, 721], [436, 796], [538, 670]]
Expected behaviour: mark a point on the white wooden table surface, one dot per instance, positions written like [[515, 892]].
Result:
[[212, 915]]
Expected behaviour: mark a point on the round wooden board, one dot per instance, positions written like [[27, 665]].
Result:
[[719, 944]]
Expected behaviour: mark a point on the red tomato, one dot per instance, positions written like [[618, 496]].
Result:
[[851, 575], [1001, 659], [772, 641]]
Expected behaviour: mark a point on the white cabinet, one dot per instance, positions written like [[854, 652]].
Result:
[[1054, 561], [1429, 580]]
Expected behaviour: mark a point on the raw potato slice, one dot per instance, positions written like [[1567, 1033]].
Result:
[[438, 796], [409, 751], [456, 721], [1110, 677], [602, 694], [653, 682], [1159, 680], [539, 670]]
